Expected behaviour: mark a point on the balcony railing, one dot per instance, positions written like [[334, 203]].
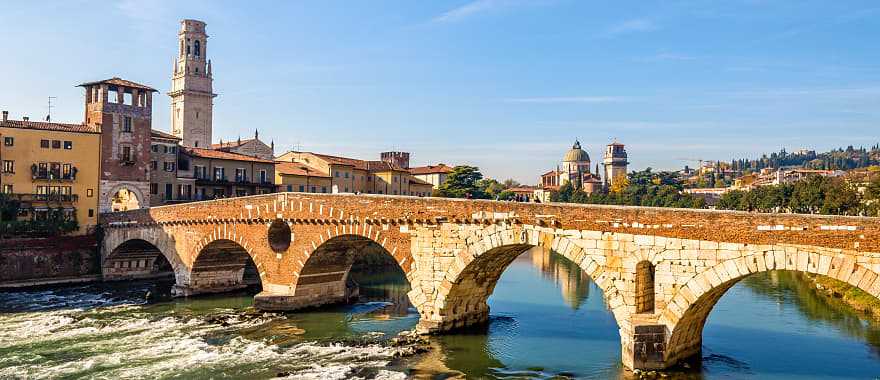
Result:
[[70, 198]]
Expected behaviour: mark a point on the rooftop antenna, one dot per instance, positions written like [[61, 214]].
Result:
[[49, 115]]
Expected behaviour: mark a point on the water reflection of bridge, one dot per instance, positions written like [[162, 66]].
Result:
[[572, 282]]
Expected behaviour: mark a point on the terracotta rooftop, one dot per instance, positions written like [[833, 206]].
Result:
[[431, 169], [221, 155], [371, 166], [552, 172], [295, 168], [523, 189], [163, 135], [231, 144], [120, 82], [47, 126]]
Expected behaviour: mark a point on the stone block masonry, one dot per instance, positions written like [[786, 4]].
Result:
[[661, 270]]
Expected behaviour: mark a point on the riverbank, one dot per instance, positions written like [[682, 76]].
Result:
[[851, 296]]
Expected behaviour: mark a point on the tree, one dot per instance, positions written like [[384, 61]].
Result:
[[462, 183], [619, 183]]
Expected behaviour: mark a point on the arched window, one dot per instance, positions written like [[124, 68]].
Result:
[[198, 48], [644, 287]]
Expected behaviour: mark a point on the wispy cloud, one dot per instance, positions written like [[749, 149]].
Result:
[[568, 99], [668, 57], [467, 10], [477, 7], [636, 25]]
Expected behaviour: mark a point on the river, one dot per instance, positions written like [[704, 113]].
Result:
[[548, 320]]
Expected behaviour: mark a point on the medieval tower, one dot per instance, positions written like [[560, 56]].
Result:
[[615, 162], [191, 87]]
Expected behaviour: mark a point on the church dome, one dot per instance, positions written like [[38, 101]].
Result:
[[576, 154]]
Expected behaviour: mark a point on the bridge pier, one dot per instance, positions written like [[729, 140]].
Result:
[[324, 285]]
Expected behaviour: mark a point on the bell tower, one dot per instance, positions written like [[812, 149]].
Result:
[[191, 87]]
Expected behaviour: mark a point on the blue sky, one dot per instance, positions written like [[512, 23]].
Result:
[[505, 85]]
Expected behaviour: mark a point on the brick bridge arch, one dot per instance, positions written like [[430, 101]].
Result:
[[159, 239], [450, 247], [690, 307]]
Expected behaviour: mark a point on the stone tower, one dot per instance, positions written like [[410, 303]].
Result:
[[122, 111], [615, 162], [191, 87]]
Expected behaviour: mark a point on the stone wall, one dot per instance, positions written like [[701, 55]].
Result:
[[36, 260]]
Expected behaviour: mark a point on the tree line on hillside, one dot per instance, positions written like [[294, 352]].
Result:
[[837, 159], [639, 188], [815, 195]]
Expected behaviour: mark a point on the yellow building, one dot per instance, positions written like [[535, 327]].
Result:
[[51, 168], [293, 176], [349, 175]]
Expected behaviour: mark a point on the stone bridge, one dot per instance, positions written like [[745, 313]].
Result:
[[661, 270]]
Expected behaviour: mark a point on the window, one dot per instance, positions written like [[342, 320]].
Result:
[[8, 166], [219, 174], [644, 287], [263, 178], [165, 149], [173, 150], [240, 175], [7, 189], [128, 97], [346, 174], [44, 144], [168, 166], [154, 148], [289, 188], [91, 212], [154, 188], [55, 170], [90, 193], [142, 99], [168, 191], [313, 189], [183, 164], [154, 165], [67, 171], [43, 170], [68, 145], [302, 189], [8, 141], [126, 123], [56, 144], [197, 46], [112, 94], [126, 154], [323, 189], [336, 175]]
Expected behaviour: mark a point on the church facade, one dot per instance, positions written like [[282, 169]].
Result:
[[575, 169]]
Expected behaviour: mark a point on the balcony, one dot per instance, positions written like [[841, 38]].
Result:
[[64, 198], [53, 175]]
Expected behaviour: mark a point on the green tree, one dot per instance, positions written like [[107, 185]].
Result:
[[462, 183]]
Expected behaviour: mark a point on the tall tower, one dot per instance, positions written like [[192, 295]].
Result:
[[122, 111], [615, 162], [191, 87]]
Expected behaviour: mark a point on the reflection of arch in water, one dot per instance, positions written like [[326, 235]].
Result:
[[573, 283], [814, 306], [698, 297]]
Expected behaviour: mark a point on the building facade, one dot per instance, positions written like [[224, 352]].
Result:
[[122, 111], [350, 175], [192, 92], [433, 174], [51, 168], [167, 185], [219, 174], [298, 177]]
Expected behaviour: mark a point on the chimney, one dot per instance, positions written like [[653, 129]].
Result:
[[5, 115], [25, 118]]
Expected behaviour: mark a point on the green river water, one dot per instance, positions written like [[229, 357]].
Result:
[[548, 320]]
